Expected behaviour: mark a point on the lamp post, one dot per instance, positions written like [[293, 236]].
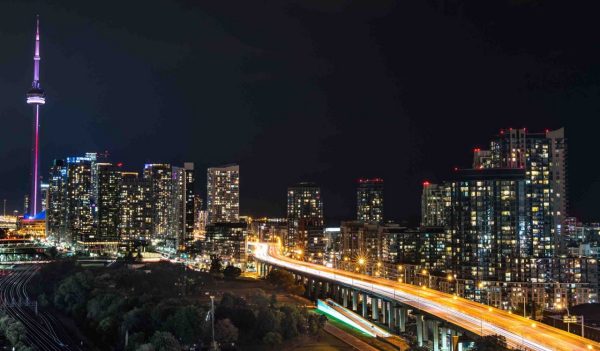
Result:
[[426, 274], [212, 320]]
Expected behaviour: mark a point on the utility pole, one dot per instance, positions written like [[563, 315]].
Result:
[[212, 320]]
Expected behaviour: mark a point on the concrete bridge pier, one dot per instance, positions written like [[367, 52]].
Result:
[[435, 331], [317, 285], [364, 305], [375, 308], [345, 297], [402, 315], [309, 288], [444, 339], [425, 324], [420, 324], [391, 312], [259, 269], [354, 300]]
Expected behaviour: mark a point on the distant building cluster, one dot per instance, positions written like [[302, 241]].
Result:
[[96, 205], [497, 232]]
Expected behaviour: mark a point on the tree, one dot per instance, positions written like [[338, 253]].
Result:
[[226, 332], [137, 320], [285, 280], [164, 341], [316, 323], [260, 300], [15, 333], [268, 320], [145, 347], [186, 324], [272, 339], [71, 294], [108, 328], [52, 252], [289, 323], [215, 264], [232, 272]]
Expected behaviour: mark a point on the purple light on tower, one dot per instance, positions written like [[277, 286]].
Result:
[[35, 97]]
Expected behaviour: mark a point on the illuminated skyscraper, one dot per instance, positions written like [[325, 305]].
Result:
[[305, 220], [183, 206], [35, 97], [107, 204], [44, 196], [80, 216], [160, 178], [489, 224], [369, 200], [432, 205], [223, 194], [57, 212], [135, 208], [543, 157]]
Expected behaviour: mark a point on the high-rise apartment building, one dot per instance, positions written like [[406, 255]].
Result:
[[183, 213], [305, 220], [369, 200], [159, 175], [543, 157], [135, 208], [433, 202], [488, 222], [44, 195], [57, 212], [223, 194], [106, 211], [80, 215]]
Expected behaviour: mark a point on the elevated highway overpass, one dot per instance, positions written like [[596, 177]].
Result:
[[438, 316]]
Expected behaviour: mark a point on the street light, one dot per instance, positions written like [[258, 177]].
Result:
[[425, 273], [212, 319]]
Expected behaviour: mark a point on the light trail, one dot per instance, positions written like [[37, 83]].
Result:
[[39, 330], [474, 317]]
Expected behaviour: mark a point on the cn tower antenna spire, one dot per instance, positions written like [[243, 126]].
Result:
[[36, 98], [36, 57]]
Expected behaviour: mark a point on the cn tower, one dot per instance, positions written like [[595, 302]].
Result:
[[35, 97]]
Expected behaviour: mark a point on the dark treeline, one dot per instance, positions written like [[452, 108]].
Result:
[[164, 307]]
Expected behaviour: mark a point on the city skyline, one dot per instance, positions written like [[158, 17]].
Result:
[[299, 174], [75, 129]]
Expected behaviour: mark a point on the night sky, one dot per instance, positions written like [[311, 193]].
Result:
[[325, 91]]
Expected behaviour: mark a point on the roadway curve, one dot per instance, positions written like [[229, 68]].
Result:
[[477, 318]]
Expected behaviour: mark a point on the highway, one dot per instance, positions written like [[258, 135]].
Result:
[[41, 328], [520, 332]]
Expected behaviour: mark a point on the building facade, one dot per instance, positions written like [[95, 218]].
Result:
[[183, 206], [135, 208], [159, 175], [223, 194], [369, 200], [106, 211], [305, 220]]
